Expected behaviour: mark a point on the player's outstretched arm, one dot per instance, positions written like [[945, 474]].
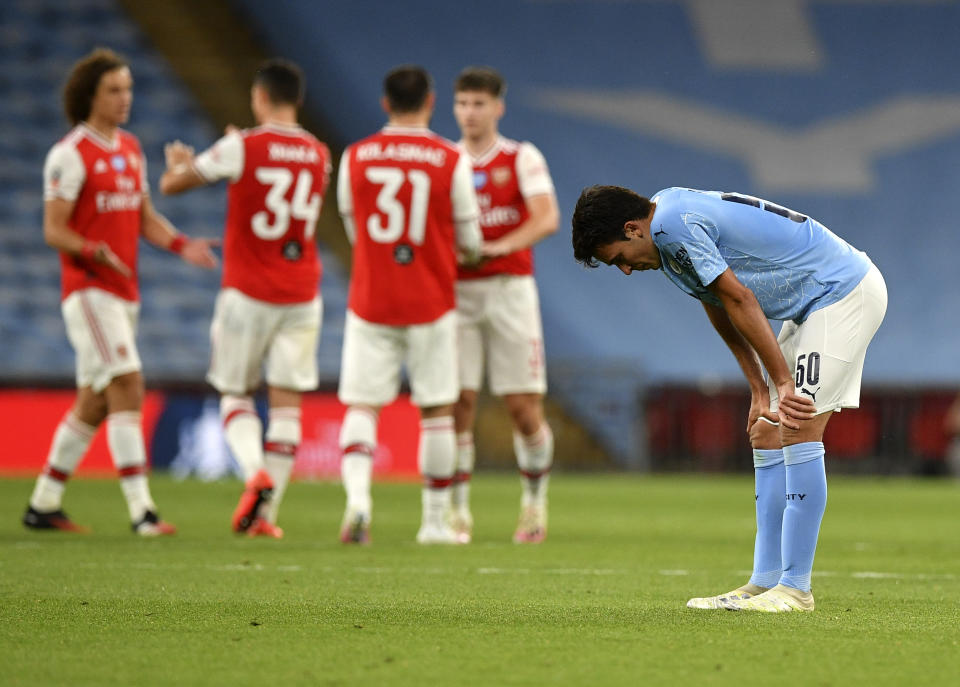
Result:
[[748, 361], [180, 174], [59, 236], [745, 314], [157, 230]]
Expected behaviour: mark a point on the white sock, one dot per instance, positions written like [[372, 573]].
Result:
[[279, 454], [534, 458], [466, 455], [70, 442], [358, 439], [244, 433], [125, 438], [437, 459]]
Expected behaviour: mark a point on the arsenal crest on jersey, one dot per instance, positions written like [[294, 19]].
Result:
[[501, 175]]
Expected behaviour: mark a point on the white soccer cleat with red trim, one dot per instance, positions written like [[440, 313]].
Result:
[[532, 526]]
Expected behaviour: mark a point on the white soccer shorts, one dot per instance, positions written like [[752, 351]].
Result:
[[827, 351], [373, 355], [102, 329], [499, 326], [246, 333]]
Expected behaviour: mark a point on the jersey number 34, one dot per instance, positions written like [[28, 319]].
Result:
[[305, 206]]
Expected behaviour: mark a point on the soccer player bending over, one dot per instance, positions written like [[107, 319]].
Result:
[[497, 302], [268, 310], [408, 205], [96, 207], [748, 260]]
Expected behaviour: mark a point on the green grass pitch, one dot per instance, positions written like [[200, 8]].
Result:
[[601, 602]]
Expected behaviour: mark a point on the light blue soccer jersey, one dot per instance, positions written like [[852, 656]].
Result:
[[793, 264]]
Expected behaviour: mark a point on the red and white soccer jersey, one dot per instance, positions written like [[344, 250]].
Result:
[[404, 190], [278, 175], [504, 177], [107, 181]]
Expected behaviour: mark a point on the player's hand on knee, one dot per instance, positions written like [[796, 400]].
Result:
[[793, 408]]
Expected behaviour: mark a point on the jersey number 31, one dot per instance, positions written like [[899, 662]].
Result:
[[391, 179]]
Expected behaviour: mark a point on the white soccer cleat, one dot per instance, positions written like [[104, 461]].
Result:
[[714, 602], [532, 526], [461, 522], [780, 599], [437, 534]]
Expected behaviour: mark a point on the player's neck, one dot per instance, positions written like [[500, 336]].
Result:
[[478, 145], [105, 129], [412, 120], [284, 116]]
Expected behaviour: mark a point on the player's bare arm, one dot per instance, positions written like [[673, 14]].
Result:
[[543, 219], [59, 236], [749, 363], [180, 174], [746, 316], [157, 229]]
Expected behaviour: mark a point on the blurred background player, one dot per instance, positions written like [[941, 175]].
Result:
[[408, 205], [96, 207], [749, 261], [269, 309], [497, 302]]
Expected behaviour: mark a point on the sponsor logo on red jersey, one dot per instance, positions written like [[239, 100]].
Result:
[[106, 209], [502, 209]]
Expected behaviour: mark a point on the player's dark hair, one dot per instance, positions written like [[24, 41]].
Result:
[[406, 88], [599, 218], [82, 82], [483, 79], [282, 80]]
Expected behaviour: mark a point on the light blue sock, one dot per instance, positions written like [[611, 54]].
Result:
[[806, 501], [770, 478]]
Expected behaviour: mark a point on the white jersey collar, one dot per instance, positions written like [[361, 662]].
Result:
[[98, 138], [486, 156]]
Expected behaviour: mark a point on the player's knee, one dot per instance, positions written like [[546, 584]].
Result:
[[526, 411], [90, 408], [467, 402], [765, 435], [810, 430], [465, 410], [125, 392]]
